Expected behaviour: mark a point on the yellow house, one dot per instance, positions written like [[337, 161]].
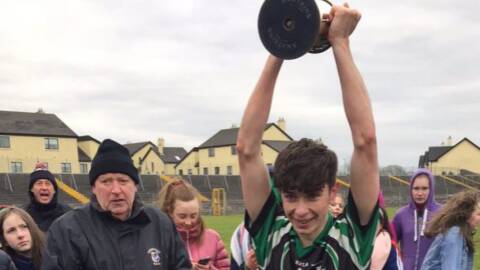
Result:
[[218, 155], [450, 159], [27, 138], [155, 159], [87, 148]]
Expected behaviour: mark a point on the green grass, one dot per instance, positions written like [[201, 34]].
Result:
[[225, 225]]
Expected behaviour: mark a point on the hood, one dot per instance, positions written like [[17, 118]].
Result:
[[430, 204]]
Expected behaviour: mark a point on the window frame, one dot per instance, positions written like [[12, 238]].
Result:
[[47, 143], [8, 145], [63, 165], [211, 152], [14, 169]]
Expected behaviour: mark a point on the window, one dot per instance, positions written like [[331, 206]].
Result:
[[84, 168], [4, 141], [153, 167], [233, 150], [189, 171], [66, 167], [205, 171], [211, 152], [180, 172], [229, 170], [16, 167], [51, 143], [217, 170]]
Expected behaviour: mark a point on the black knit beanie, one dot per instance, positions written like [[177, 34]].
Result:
[[42, 174], [112, 157]]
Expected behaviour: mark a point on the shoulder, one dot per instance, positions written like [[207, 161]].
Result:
[[4, 258], [212, 234], [453, 232], [156, 213], [69, 219], [400, 214]]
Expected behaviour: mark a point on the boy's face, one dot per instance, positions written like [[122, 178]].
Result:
[[308, 214]]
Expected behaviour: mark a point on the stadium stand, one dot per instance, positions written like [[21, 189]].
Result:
[[13, 188]]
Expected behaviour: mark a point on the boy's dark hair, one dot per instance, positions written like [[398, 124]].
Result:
[[306, 167]]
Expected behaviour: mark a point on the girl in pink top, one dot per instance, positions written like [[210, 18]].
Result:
[[180, 201]]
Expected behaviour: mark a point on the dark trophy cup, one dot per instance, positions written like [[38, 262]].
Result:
[[291, 28]]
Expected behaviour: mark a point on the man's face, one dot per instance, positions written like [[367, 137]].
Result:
[[43, 191], [308, 214], [115, 192], [420, 189]]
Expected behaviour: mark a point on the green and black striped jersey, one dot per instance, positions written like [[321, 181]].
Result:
[[342, 244]]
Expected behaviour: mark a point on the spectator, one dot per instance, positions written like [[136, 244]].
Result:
[[21, 238], [386, 255], [290, 222], [410, 221], [5, 262], [43, 192], [243, 255], [453, 228], [114, 231], [337, 205], [180, 201]]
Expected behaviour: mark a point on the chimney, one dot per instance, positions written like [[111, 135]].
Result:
[[160, 145], [281, 123], [449, 141]]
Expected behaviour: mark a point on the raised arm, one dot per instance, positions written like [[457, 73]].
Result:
[[253, 171], [365, 183]]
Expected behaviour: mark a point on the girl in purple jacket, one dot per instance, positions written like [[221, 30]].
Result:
[[410, 221], [180, 201]]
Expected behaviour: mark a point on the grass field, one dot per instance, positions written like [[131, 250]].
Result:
[[225, 225]]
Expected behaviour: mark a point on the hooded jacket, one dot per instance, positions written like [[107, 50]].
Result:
[[410, 232], [45, 214], [89, 238]]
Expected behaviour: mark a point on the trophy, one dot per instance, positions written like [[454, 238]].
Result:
[[291, 28]]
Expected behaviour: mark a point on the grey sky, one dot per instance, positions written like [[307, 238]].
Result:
[[182, 70]]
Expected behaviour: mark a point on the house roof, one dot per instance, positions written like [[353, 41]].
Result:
[[277, 145], [33, 124], [173, 154], [170, 154], [133, 148], [227, 137], [436, 152], [82, 157], [87, 138]]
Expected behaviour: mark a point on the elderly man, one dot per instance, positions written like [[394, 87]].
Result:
[[43, 191], [114, 231]]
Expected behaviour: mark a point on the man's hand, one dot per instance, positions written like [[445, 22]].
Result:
[[343, 21]]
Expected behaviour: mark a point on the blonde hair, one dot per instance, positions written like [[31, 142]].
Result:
[[38, 238], [456, 212]]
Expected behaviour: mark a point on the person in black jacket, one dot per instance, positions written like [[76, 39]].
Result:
[[43, 190], [5, 262], [114, 231]]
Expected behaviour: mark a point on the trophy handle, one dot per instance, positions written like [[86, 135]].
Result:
[[321, 44]]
